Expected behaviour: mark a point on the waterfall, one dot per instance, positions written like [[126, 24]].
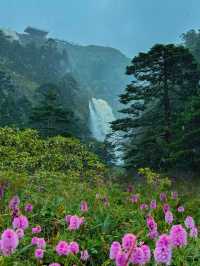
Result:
[[101, 115]]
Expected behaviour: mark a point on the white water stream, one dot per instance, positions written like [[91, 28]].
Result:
[[101, 115]]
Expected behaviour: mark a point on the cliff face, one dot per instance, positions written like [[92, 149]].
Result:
[[100, 69], [82, 72]]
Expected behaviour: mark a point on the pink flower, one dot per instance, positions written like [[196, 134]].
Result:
[[15, 212], [28, 207], [194, 232], [34, 240], [178, 236], [169, 217], [174, 195], [114, 250], [153, 204], [163, 255], [37, 229], [130, 188], [67, 218], [9, 242], [134, 198], [39, 253], [164, 241], [74, 247], [84, 206], [151, 224], [75, 222], [62, 248], [137, 256], [147, 253], [84, 255], [153, 234], [14, 203], [54, 264], [144, 206], [41, 243], [166, 208], [20, 233], [121, 259], [181, 209], [20, 222], [128, 241], [189, 222], [163, 196], [163, 250]]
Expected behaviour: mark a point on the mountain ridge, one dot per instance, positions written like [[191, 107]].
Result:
[[98, 71]]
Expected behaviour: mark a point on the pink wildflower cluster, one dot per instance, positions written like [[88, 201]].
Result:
[[20, 233], [144, 206], [174, 195], [37, 229], [63, 249], [190, 224], [28, 207], [85, 255], [74, 222], [40, 244], [153, 204], [166, 208], [169, 217], [128, 252], [163, 196], [180, 209], [152, 226], [9, 242], [84, 206], [14, 206], [178, 236], [166, 243], [14, 203], [163, 250], [134, 198], [20, 222]]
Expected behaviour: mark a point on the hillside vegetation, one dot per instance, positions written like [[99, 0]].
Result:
[[50, 181]]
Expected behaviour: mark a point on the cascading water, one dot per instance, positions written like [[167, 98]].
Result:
[[101, 115]]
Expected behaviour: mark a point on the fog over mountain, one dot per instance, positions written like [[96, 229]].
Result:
[[128, 25]]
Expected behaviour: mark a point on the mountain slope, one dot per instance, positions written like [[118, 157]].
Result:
[[82, 72]]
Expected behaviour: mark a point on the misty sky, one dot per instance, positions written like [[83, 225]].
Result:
[[129, 25]]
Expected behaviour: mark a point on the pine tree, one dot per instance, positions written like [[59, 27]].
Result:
[[164, 78], [186, 147], [49, 117]]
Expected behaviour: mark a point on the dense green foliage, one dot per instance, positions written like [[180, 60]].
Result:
[[47, 174], [49, 117], [24, 152], [165, 79]]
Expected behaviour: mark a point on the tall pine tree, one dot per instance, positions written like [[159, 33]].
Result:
[[163, 79]]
